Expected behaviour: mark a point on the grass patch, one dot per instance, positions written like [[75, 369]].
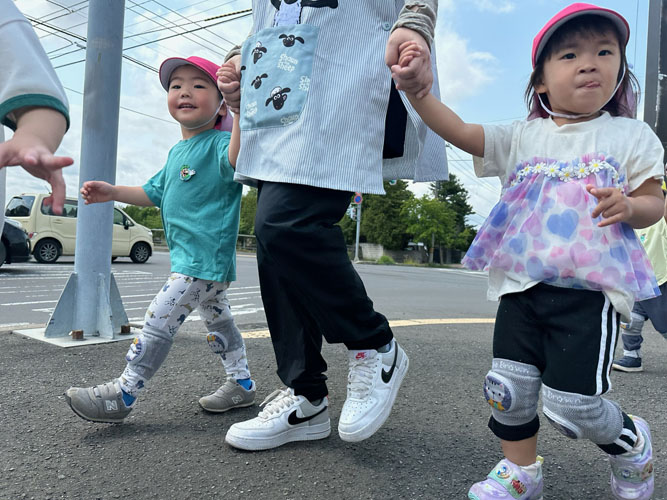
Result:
[[386, 260]]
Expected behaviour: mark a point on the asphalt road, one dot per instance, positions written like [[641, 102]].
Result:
[[29, 291], [434, 445]]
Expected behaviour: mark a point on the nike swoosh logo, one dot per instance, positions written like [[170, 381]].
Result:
[[386, 375], [294, 420]]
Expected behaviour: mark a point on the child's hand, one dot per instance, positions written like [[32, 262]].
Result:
[[407, 52], [415, 76], [96, 192], [29, 151], [229, 83], [612, 205]]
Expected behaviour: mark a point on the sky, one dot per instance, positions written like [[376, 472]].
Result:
[[482, 47]]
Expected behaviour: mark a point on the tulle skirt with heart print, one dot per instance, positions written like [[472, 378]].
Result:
[[542, 230]]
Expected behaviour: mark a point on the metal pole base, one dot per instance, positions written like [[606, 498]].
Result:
[[111, 315]]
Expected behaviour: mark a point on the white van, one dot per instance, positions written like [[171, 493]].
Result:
[[54, 235]]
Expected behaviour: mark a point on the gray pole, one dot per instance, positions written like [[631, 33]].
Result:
[[356, 246], [90, 301], [652, 56], [661, 119]]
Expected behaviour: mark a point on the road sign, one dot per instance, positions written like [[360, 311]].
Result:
[[357, 198]]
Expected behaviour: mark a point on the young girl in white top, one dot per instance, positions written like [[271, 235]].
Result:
[[562, 256]]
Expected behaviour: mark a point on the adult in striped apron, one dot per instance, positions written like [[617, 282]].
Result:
[[320, 119]]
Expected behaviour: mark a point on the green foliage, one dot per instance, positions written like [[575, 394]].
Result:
[[381, 218], [429, 220], [146, 216], [455, 195], [386, 260], [248, 210]]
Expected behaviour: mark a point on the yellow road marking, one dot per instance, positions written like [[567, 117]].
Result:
[[259, 334]]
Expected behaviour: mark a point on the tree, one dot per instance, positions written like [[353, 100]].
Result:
[[455, 195], [381, 220], [429, 220], [146, 216], [248, 210]]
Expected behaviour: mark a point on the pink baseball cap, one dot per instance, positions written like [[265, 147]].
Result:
[[569, 13], [168, 66]]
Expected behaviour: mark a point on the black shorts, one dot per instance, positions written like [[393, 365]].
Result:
[[569, 335]]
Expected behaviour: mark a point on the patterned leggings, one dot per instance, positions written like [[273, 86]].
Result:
[[179, 296]]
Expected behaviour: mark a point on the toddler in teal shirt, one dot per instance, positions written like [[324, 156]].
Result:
[[200, 205]]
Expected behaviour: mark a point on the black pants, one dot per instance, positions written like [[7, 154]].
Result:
[[569, 335], [309, 287]]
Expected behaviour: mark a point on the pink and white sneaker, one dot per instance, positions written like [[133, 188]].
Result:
[[632, 476], [509, 481]]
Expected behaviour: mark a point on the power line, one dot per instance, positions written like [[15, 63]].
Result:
[[196, 22], [38, 23], [171, 28], [241, 13], [56, 28], [477, 180], [128, 109]]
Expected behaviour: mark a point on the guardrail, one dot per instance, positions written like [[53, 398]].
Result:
[[246, 242]]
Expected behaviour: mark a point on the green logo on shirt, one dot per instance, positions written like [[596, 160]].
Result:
[[186, 173]]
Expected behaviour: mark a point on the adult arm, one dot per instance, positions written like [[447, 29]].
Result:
[[416, 23], [419, 16], [32, 103], [231, 91]]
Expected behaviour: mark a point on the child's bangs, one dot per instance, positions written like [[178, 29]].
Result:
[[585, 26]]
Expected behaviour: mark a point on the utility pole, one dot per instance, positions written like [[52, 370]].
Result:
[[90, 305], [358, 198], [661, 122], [655, 88]]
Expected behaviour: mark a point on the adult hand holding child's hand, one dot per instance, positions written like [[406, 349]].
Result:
[[415, 75], [229, 83]]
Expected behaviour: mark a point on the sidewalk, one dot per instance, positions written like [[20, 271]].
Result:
[[434, 445]]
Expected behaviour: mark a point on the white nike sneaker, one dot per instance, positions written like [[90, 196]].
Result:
[[372, 385], [284, 419]]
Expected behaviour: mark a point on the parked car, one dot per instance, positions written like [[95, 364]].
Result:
[[54, 235], [15, 244]]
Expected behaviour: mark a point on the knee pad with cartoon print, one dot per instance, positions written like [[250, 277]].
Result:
[[148, 350], [512, 390], [216, 342], [224, 337]]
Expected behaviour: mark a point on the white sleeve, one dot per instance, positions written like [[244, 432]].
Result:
[[647, 161], [28, 79], [497, 149]]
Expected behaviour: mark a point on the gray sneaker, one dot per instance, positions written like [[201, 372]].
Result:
[[230, 395], [102, 403]]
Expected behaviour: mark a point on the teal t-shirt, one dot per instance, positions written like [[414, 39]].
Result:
[[200, 206]]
